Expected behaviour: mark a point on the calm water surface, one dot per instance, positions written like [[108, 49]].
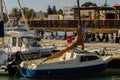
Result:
[[109, 74]]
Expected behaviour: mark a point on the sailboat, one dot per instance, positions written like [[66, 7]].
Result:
[[4, 56], [68, 61], [23, 42], [21, 39]]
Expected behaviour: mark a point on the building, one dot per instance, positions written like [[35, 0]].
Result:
[[55, 17], [68, 13], [40, 14], [117, 8], [94, 12]]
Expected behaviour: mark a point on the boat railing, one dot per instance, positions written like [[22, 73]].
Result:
[[57, 43], [6, 48], [105, 52]]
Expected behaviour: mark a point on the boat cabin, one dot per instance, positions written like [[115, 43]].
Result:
[[21, 41]]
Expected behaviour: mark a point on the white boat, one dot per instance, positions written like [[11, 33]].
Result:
[[20, 43], [25, 43], [66, 62], [18, 40], [69, 63], [3, 57]]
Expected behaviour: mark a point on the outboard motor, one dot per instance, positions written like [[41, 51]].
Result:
[[14, 65]]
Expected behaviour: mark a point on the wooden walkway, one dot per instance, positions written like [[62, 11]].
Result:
[[94, 26]]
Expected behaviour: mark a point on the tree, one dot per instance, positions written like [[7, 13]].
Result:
[[49, 10], [60, 11], [32, 13], [87, 4], [54, 10], [14, 12], [27, 12], [5, 18]]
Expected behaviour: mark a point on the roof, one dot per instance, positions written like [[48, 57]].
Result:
[[20, 29], [31, 37], [97, 8], [22, 35], [13, 33]]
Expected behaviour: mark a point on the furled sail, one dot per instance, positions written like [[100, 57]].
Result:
[[77, 41]]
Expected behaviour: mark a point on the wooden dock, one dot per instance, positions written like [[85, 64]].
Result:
[[94, 26]]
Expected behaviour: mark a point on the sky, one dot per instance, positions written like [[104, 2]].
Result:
[[42, 5]]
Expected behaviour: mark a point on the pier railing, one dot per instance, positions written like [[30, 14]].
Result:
[[110, 28], [109, 23]]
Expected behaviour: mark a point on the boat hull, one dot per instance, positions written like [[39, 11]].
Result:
[[63, 71]]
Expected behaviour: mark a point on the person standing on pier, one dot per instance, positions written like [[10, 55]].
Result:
[[85, 32]]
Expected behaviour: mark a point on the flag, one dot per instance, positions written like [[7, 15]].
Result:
[[69, 39]]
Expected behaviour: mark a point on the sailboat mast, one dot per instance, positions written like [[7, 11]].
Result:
[[79, 18], [2, 23], [80, 27], [23, 16], [1, 6], [7, 14]]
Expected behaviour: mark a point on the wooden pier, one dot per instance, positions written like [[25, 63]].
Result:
[[95, 26]]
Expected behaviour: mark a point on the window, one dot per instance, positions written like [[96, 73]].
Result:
[[14, 41], [20, 42], [88, 58], [31, 42]]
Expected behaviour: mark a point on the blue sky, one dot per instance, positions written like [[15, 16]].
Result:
[[38, 5]]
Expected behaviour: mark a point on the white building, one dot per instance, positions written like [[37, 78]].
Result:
[[68, 13], [55, 17]]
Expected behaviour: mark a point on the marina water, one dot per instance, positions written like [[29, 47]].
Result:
[[108, 74]]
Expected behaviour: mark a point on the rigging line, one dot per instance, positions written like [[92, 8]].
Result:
[[1, 5], [23, 16], [46, 47], [7, 14], [25, 5], [2, 17], [27, 47]]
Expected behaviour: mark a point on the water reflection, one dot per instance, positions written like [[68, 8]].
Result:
[[109, 74], [76, 78]]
